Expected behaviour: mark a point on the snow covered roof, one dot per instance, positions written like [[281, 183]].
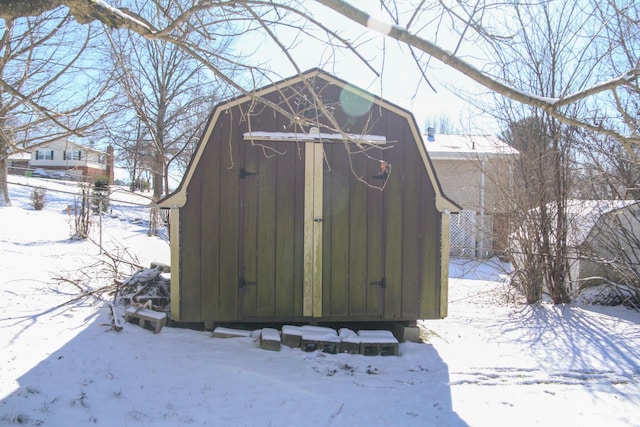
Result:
[[467, 146], [584, 214], [20, 156], [66, 145]]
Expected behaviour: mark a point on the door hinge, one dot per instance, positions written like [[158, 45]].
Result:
[[382, 283], [242, 282], [245, 173], [382, 176]]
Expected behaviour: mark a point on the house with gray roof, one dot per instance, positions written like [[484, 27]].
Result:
[[475, 172]]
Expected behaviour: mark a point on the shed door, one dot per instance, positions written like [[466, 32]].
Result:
[[311, 231], [353, 279], [270, 230]]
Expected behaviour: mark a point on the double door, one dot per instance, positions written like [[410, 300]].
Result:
[[311, 231]]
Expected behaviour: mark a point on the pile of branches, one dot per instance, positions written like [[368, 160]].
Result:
[[148, 287], [124, 281]]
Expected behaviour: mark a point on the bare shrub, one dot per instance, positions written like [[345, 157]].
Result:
[[83, 214], [38, 197]]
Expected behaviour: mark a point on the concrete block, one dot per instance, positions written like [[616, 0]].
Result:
[[270, 339], [148, 319], [291, 336]]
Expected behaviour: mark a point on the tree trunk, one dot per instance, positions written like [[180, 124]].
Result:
[[4, 163], [4, 187]]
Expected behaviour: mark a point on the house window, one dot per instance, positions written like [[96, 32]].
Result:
[[72, 155], [44, 154], [101, 158]]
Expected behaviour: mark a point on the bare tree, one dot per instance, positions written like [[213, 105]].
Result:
[[568, 65], [131, 148], [618, 43], [167, 90], [45, 93], [537, 206], [418, 27], [545, 61], [605, 170], [497, 29], [441, 124]]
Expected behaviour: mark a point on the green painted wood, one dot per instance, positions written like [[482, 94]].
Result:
[[394, 205], [209, 220], [368, 235], [430, 301], [327, 232], [443, 262], [229, 160], [358, 224], [298, 296], [336, 282], [285, 229], [266, 235], [190, 265], [375, 240], [271, 232], [248, 294], [411, 219], [313, 230]]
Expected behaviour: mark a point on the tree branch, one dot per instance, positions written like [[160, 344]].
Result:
[[551, 105], [12, 9], [402, 35]]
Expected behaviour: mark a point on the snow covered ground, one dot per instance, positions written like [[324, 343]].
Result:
[[490, 363]]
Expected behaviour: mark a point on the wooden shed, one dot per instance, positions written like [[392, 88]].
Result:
[[318, 204]]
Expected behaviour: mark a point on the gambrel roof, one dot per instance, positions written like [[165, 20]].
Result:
[[178, 197]]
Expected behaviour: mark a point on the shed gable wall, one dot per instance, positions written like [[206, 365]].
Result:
[[240, 251]]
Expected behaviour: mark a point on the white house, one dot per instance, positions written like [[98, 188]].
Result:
[[474, 171], [72, 158]]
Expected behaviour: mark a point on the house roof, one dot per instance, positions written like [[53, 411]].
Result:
[[67, 144], [583, 215], [467, 146], [20, 156]]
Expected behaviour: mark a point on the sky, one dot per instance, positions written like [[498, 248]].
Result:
[[400, 76]]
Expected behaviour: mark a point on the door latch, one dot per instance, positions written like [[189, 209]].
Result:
[[382, 283], [242, 282]]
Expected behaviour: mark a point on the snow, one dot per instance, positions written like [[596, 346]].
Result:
[[467, 147], [146, 313], [270, 334], [584, 214], [491, 362], [312, 136]]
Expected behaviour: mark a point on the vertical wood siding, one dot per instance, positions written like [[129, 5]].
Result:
[[241, 228]]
